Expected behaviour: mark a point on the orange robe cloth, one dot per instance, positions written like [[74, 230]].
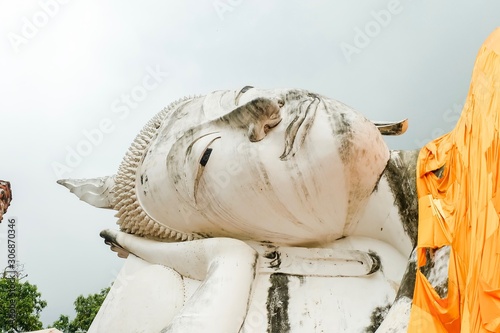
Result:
[[461, 209]]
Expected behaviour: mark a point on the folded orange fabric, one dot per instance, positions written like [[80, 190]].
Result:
[[461, 209]]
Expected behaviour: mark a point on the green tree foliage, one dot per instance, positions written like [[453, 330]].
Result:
[[63, 324], [20, 306], [86, 309]]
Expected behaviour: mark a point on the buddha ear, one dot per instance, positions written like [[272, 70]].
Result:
[[392, 128]]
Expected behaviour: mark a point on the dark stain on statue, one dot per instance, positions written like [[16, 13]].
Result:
[[144, 181], [377, 317], [275, 258], [376, 263], [277, 304], [401, 175], [407, 285], [295, 94], [343, 130]]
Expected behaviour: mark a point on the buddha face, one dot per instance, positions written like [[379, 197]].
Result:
[[286, 166]]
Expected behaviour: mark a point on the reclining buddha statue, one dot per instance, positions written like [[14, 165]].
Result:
[[282, 210]]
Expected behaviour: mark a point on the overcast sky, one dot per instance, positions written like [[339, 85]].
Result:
[[78, 79]]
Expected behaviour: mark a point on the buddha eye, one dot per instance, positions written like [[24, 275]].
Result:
[[205, 157]]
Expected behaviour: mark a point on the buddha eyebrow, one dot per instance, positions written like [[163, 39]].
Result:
[[242, 91]]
